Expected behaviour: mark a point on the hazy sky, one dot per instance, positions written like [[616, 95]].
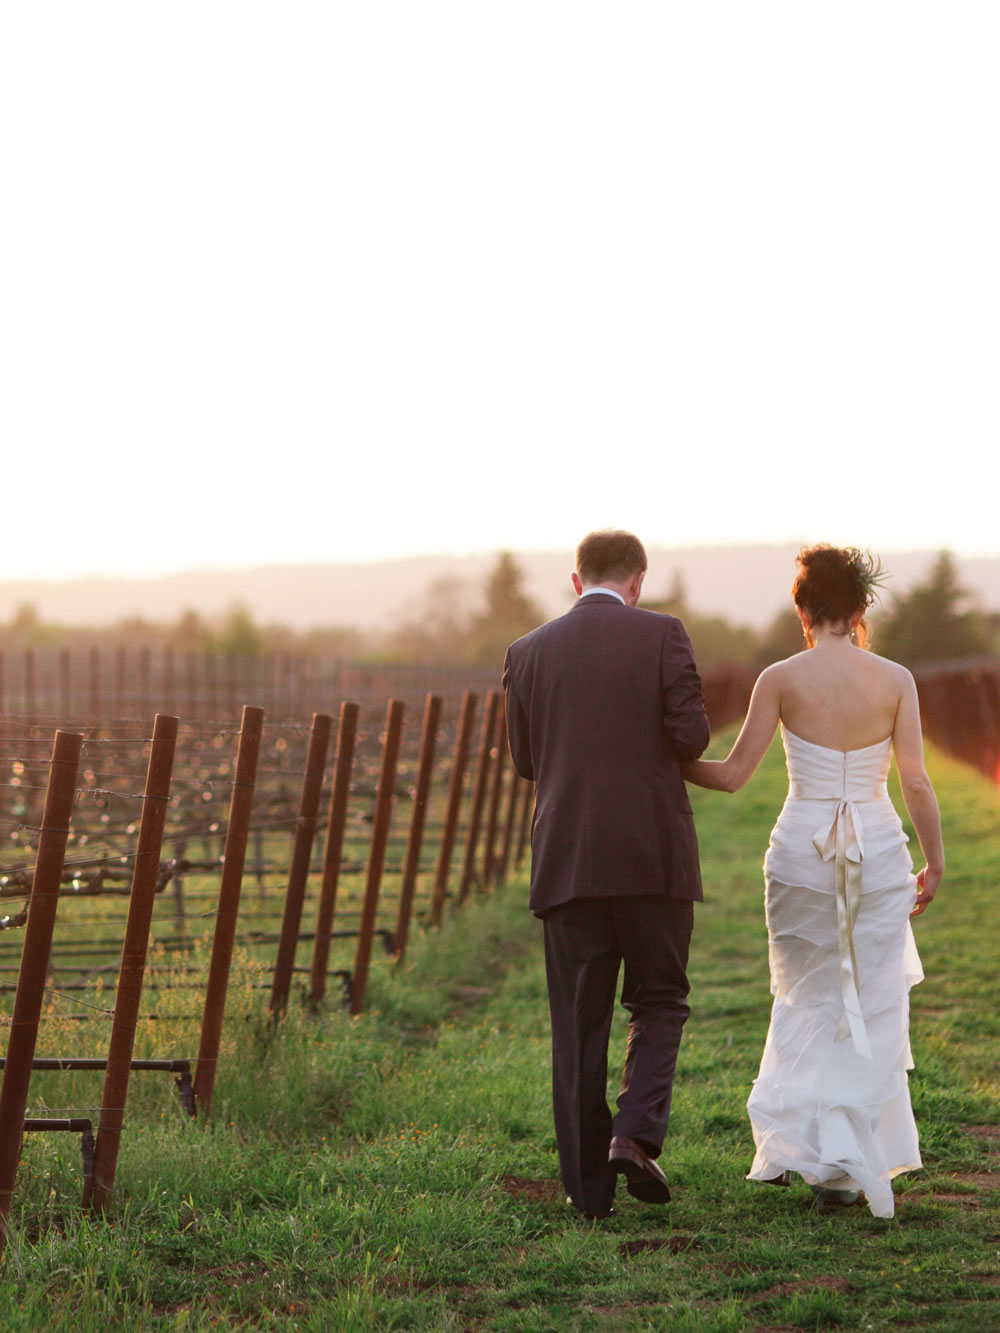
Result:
[[303, 282]]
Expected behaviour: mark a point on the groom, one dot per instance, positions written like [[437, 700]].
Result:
[[603, 704]]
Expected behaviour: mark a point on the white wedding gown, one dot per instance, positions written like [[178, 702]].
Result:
[[831, 1100]]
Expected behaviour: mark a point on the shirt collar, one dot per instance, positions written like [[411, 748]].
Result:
[[608, 592]]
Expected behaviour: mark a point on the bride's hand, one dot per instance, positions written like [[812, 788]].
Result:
[[927, 882]]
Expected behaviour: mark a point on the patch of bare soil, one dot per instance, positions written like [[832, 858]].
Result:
[[963, 1200], [832, 1283], [676, 1244], [532, 1191], [990, 1132]]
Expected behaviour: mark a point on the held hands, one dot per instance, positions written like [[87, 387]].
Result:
[[927, 881]]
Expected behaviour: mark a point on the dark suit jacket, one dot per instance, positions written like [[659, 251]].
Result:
[[602, 705]]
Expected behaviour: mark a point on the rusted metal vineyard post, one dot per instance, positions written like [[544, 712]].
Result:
[[478, 794], [411, 861], [333, 848], [227, 910], [376, 860], [145, 873], [498, 753], [298, 874], [54, 832], [448, 831]]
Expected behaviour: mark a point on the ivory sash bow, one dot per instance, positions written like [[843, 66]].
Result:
[[841, 841]]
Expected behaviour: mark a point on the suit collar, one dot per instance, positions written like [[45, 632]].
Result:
[[602, 598]]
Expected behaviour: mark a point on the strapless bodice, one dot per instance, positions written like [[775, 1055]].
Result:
[[837, 794], [817, 773]]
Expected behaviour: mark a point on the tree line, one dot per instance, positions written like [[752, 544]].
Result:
[[458, 623]]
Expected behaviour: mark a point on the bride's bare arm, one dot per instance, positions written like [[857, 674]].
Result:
[[739, 766], [918, 793]]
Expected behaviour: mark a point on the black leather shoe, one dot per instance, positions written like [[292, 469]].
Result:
[[643, 1178]]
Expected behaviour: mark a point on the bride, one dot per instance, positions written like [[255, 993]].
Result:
[[831, 1101]]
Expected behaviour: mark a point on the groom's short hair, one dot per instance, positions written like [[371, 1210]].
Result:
[[609, 554]]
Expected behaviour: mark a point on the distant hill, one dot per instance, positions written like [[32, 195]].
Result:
[[747, 585]]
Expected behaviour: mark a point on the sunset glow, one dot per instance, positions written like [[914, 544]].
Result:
[[350, 282]]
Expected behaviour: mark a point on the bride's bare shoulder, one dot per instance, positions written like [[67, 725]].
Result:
[[776, 678], [881, 678], [885, 667], [787, 666], [896, 668], [895, 674]]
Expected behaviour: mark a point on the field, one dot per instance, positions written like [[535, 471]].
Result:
[[397, 1169]]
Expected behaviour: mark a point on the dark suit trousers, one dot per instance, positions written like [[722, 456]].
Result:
[[586, 941]]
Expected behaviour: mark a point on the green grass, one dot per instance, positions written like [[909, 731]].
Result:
[[398, 1170]]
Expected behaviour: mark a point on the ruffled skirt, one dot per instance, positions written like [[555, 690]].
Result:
[[817, 1106]]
